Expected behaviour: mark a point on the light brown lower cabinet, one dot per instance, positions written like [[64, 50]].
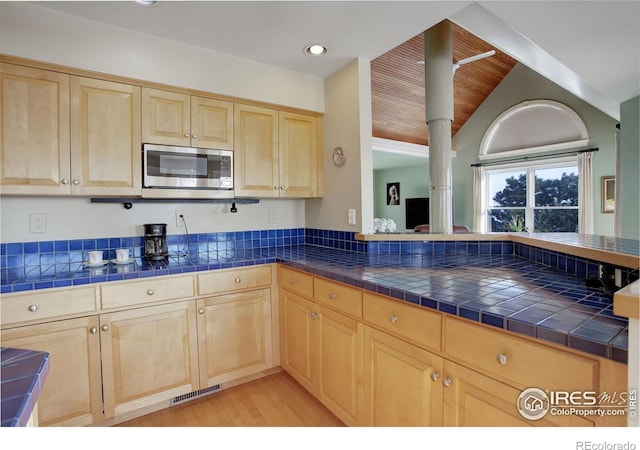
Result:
[[322, 350], [72, 393], [234, 336], [148, 355]]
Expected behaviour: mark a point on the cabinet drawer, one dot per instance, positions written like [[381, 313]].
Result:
[[338, 296], [298, 282], [519, 361], [148, 290], [45, 304], [228, 280], [404, 320]]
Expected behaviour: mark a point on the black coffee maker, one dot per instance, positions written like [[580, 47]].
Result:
[[155, 242]]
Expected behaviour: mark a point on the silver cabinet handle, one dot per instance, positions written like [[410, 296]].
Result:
[[238, 280], [186, 134], [105, 327], [33, 308], [150, 292], [435, 376], [292, 281], [276, 187], [201, 311], [332, 296], [75, 182], [502, 359], [313, 315], [195, 136], [93, 330], [393, 318], [283, 187], [64, 181], [446, 382]]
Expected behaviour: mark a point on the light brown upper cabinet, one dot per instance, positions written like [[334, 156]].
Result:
[[105, 138], [276, 153], [34, 146], [173, 118], [67, 135]]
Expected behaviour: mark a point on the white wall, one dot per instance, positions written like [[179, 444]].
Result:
[[346, 124], [30, 31], [39, 33]]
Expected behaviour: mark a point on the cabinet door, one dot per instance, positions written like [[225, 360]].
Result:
[[256, 152], [234, 336], [106, 155], [72, 392], [298, 156], [148, 355], [475, 400], [298, 334], [166, 118], [402, 385], [340, 349], [211, 123], [34, 143]]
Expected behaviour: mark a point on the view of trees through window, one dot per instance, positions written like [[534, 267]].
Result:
[[536, 198]]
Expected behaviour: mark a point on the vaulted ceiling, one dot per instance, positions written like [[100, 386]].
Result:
[[398, 93]]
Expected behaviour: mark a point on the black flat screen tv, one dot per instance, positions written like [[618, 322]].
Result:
[[416, 211]]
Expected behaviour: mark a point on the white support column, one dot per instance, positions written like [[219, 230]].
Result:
[[438, 57]]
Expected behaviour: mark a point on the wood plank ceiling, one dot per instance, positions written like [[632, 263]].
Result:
[[397, 85]]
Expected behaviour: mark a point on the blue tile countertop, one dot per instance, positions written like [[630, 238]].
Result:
[[23, 375], [498, 288], [505, 291]]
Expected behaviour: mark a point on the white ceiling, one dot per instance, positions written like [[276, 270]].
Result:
[[590, 48]]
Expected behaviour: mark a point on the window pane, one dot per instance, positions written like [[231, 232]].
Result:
[[508, 189], [506, 220], [557, 186], [555, 220]]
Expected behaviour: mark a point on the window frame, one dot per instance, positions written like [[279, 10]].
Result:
[[529, 167]]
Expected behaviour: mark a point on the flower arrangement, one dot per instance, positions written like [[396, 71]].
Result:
[[384, 225]]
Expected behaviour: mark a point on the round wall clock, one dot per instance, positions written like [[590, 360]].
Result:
[[338, 156]]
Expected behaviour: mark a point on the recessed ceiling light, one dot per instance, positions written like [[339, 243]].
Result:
[[315, 50]]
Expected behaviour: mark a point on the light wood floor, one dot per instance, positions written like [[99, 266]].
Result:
[[273, 401]]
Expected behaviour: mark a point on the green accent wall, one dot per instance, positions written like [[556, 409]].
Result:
[[629, 169]]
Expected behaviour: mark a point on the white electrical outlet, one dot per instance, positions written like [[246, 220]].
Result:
[[273, 216], [37, 223], [618, 277], [179, 222], [352, 217]]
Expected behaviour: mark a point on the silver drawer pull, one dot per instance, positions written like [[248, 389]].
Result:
[[33, 308], [238, 280], [502, 359], [201, 311], [93, 330], [105, 327], [435, 376], [150, 292], [332, 296], [393, 318], [446, 382], [292, 281]]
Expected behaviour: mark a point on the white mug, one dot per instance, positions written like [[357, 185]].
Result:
[[95, 257], [122, 255]]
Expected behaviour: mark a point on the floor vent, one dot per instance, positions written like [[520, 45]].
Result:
[[195, 394]]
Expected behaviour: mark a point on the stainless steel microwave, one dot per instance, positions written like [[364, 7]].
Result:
[[169, 167]]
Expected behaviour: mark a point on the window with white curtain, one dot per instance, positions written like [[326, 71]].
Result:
[[539, 197]]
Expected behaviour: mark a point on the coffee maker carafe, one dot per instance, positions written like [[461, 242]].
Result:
[[155, 242]]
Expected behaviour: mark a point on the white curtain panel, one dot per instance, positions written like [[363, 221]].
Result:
[[585, 193], [479, 201]]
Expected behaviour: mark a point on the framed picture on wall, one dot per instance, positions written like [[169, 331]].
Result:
[[393, 193], [608, 194]]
